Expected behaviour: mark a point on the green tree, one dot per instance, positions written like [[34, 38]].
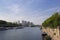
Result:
[[52, 21]]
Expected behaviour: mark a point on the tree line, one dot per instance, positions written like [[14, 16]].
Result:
[[8, 24], [16, 24], [53, 21]]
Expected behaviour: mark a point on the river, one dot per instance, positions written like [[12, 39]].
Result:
[[27, 33]]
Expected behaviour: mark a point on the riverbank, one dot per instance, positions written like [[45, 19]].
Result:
[[7, 28], [45, 36], [53, 33]]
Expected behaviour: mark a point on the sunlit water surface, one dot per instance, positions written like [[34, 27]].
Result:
[[27, 33]]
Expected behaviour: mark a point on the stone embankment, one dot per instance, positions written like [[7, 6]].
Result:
[[53, 33]]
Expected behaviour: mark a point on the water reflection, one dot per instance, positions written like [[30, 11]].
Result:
[[26, 33]]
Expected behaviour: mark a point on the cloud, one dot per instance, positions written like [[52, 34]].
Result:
[[13, 8], [23, 11], [16, 12]]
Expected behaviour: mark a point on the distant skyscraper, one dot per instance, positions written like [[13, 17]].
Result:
[[27, 23], [18, 22]]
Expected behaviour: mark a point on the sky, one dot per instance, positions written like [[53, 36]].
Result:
[[35, 11]]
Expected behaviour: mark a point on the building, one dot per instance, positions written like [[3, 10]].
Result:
[[27, 23]]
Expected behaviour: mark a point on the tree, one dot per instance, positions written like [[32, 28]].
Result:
[[52, 21], [2, 23]]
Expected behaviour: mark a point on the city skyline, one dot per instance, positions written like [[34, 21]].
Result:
[[35, 11]]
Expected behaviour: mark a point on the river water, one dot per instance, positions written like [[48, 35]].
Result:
[[27, 33]]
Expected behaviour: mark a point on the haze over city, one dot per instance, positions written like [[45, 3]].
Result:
[[35, 11]]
